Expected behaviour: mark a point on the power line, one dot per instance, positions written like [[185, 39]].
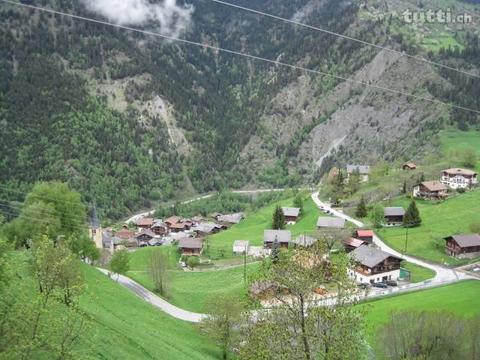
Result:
[[350, 38], [249, 56]]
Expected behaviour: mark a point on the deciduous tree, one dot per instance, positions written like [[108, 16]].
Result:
[[158, 269], [361, 210], [120, 262]]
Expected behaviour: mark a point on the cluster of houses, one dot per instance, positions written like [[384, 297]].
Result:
[[455, 178], [190, 233]]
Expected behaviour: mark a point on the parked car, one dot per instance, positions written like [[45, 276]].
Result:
[[380, 285], [392, 283], [364, 285]]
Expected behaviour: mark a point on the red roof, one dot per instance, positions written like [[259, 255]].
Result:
[[145, 222], [365, 233], [124, 234]]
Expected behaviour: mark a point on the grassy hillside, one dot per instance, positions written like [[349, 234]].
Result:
[[192, 290], [454, 142], [460, 298], [438, 220], [125, 327]]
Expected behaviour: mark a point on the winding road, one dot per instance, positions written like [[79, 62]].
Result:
[[443, 275]]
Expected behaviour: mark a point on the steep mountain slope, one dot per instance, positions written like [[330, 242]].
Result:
[[128, 119]]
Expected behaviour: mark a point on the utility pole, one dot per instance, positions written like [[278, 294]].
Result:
[[406, 239], [245, 266]]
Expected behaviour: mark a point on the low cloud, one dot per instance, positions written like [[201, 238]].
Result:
[[165, 16]]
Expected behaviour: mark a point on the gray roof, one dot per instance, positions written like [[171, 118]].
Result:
[[282, 236], [190, 243], [147, 232], [231, 218], [304, 240], [159, 223], [206, 227], [362, 169], [394, 211], [291, 211], [466, 240], [370, 256], [331, 222]]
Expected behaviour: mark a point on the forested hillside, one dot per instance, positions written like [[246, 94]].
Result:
[[129, 119]]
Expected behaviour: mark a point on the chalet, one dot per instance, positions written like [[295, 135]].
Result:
[[291, 214], [463, 246], [231, 218], [190, 246], [351, 244], [172, 220], [283, 237], [459, 178], [304, 241], [394, 216], [365, 235], [144, 236], [409, 166], [430, 190], [124, 237], [178, 227], [241, 246], [362, 170], [145, 223], [207, 228], [373, 265], [330, 222], [159, 227]]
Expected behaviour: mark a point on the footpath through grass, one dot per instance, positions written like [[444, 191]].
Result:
[[220, 245], [460, 298], [126, 327], [439, 220]]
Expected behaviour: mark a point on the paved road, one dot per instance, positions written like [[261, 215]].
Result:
[[155, 300], [442, 273]]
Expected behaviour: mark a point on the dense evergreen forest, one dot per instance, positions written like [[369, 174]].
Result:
[[54, 125]]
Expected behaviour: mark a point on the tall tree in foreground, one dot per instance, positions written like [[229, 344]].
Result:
[[223, 321], [275, 254], [361, 210], [158, 269], [120, 262], [412, 216], [278, 222], [293, 328]]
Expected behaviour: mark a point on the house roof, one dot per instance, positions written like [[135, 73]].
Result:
[[466, 240], [190, 243], [124, 234], [147, 232], [159, 223], [206, 227], [145, 222], [394, 211], [353, 242], [178, 225], [282, 236], [241, 244], [231, 218], [459, 171], [304, 240], [370, 256], [434, 185], [365, 233], [291, 211], [362, 169], [331, 222], [172, 220]]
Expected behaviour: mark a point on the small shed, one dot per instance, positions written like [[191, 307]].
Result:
[[283, 237], [394, 216], [365, 235], [330, 222], [291, 214]]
